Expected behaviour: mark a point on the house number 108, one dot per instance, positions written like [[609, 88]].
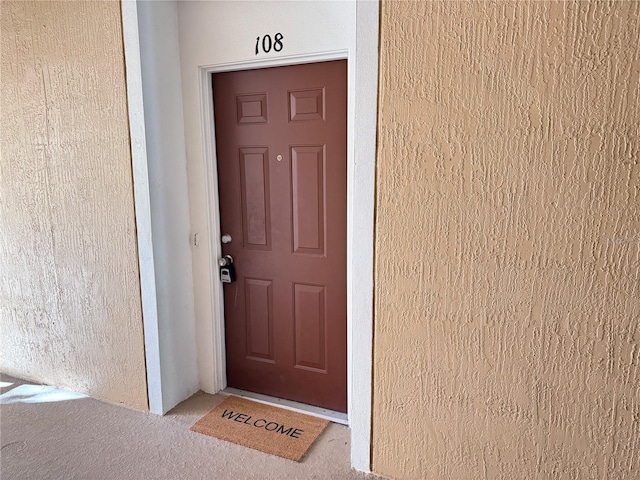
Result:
[[267, 43]]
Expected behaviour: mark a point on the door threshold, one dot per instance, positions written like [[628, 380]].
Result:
[[331, 415]]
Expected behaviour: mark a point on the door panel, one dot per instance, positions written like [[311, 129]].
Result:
[[259, 310], [310, 326], [307, 187], [281, 154], [254, 183]]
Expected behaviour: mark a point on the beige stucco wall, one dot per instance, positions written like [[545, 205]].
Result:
[[70, 309], [507, 334]]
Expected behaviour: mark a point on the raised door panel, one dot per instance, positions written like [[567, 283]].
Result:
[[308, 198], [310, 327], [256, 205], [259, 319]]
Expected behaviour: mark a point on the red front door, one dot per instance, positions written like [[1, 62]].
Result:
[[281, 151]]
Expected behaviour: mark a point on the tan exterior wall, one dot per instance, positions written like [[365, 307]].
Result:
[[507, 336], [70, 308]]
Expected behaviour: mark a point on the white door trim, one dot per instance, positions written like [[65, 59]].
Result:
[[217, 349]]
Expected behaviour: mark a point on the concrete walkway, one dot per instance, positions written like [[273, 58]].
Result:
[[52, 434]]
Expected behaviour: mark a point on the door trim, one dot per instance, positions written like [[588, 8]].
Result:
[[217, 346], [212, 193]]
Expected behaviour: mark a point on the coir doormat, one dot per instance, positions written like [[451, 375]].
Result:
[[262, 427]]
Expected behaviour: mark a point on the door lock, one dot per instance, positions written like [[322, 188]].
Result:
[[227, 270]]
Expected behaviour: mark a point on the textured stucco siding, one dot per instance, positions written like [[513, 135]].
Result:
[[70, 311], [507, 311]]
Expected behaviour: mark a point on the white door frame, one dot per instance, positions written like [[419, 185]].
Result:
[[362, 80], [213, 206]]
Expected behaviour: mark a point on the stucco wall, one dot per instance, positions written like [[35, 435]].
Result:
[[507, 336], [69, 293]]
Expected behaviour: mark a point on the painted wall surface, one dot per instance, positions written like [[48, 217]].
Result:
[[507, 336], [69, 292], [167, 167]]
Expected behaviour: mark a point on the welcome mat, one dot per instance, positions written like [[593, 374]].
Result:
[[262, 427]]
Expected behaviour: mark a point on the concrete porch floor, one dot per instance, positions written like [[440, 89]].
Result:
[[47, 435]]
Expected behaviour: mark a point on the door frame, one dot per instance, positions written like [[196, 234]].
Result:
[[162, 361], [218, 345]]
